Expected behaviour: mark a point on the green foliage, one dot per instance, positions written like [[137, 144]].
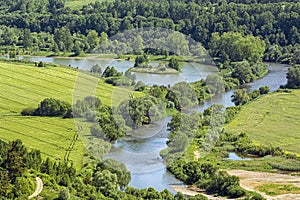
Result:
[[240, 97], [50, 107], [108, 128], [85, 107], [215, 84], [206, 176], [141, 61], [174, 64], [46, 21], [139, 111], [232, 46], [264, 90], [278, 189], [231, 113], [64, 194], [111, 72], [293, 77], [242, 71], [113, 77], [41, 64]]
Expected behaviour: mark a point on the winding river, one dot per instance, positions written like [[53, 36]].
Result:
[[140, 153]]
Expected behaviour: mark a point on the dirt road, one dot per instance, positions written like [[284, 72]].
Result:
[[39, 188]]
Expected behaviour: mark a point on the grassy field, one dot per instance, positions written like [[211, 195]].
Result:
[[25, 86], [77, 4], [278, 189], [273, 119], [52, 136]]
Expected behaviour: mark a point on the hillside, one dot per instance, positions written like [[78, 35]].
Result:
[[273, 119], [25, 86]]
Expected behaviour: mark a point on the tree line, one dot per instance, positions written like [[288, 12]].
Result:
[[49, 25], [96, 180]]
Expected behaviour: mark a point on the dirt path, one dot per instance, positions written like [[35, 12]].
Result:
[[39, 188], [196, 155], [250, 180]]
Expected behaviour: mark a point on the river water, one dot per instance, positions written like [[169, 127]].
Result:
[[190, 71], [140, 153]]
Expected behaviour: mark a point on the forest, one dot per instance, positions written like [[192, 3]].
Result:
[[52, 27]]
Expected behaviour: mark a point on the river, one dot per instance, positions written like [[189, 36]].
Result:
[[140, 153]]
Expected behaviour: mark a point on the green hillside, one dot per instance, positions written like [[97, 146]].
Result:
[[25, 86], [273, 119]]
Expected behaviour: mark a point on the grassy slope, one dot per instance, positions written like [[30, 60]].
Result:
[[25, 86], [273, 119]]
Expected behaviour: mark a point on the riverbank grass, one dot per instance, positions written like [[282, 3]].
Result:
[[272, 189]]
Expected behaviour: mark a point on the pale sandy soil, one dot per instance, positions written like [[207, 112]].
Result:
[[250, 180]]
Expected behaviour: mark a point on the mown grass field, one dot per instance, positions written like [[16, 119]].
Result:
[[25, 86], [52, 136], [272, 119]]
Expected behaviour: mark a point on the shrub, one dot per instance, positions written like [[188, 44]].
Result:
[[41, 64], [264, 90], [28, 111]]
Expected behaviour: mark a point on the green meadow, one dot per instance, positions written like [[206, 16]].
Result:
[[25, 86], [272, 119]]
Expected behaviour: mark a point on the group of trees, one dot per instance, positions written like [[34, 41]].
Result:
[[50, 107], [192, 129], [112, 76], [97, 180], [244, 145], [241, 96], [49, 25]]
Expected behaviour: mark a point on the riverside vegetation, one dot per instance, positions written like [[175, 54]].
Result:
[[239, 37]]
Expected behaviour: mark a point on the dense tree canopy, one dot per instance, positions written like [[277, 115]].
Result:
[[55, 27]]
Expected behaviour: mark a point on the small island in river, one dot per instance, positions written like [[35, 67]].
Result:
[[154, 70], [142, 65]]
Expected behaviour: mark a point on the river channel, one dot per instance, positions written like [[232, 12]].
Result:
[[140, 153]]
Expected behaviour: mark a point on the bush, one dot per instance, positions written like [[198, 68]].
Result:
[[231, 112], [64, 194], [50, 107], [53, 108], [41, 64], [28, 111], [264, 90]]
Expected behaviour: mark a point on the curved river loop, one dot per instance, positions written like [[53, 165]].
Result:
[[140, 153]]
